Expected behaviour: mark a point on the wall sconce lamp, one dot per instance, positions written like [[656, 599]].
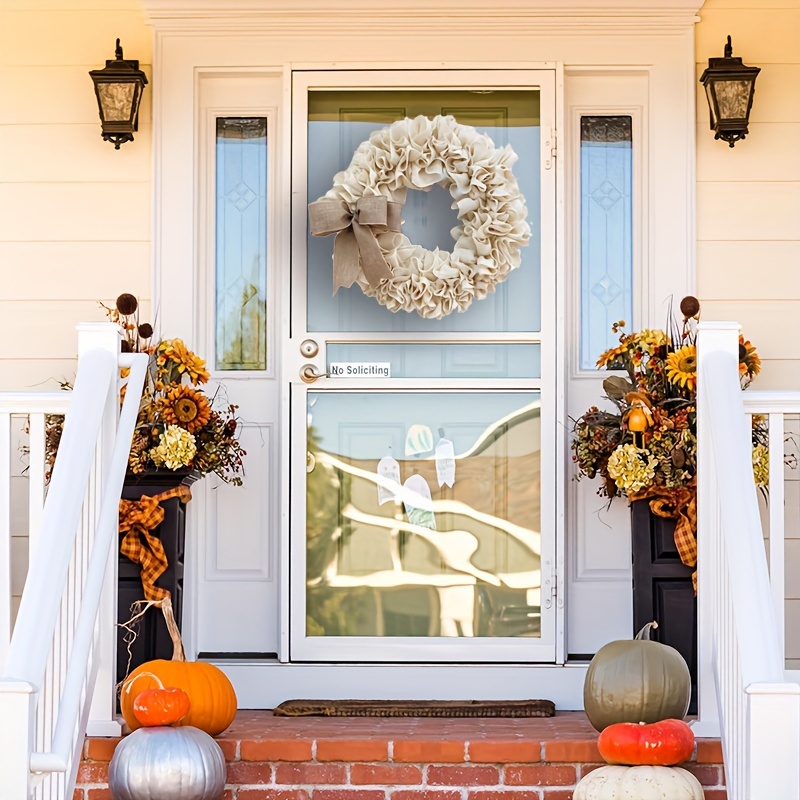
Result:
[[119, 88], [729, 86]]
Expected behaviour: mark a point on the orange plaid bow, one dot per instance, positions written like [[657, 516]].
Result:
[[137, 520], [680, 505]]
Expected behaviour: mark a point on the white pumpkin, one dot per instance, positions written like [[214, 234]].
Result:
[[638, 783]]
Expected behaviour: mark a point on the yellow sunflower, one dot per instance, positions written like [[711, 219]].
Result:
[[184, 359], [749, 362], [682, 367], [614, 353], [186, 407]]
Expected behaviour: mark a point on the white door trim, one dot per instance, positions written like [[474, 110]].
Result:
[[240, 36]]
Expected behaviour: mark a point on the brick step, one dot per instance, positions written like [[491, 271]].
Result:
[[312, 758]]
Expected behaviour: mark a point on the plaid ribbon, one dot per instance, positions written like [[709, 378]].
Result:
[[680, 505], [137, 520]]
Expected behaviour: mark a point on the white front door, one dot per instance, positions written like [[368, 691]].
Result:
[[388, 561]]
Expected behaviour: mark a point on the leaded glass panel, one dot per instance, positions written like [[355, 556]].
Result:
[[241, 243], [606, 231]]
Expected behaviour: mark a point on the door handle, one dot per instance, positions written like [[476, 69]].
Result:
[[309, 374]]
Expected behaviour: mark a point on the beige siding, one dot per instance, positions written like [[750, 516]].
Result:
[[74, 213], [748, 216]]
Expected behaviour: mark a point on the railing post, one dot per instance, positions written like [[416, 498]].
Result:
[[773, 738], [712, 337], [105, 336], [17, 716]]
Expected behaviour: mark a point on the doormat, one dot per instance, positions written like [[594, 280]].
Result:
[[416, 708]]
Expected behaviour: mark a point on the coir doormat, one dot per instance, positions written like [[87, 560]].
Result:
[[416, 708]]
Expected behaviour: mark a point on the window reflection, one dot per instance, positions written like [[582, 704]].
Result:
[[461, 562]]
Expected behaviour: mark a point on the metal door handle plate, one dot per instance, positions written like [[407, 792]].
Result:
[[309, 374]]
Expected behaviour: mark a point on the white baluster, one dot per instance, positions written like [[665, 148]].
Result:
[[5, 535], [777, 568], [105, 336]]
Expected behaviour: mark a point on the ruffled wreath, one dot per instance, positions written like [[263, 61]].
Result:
[[363, 209]]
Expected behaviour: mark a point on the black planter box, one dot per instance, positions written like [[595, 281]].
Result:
[[152, 640], [662, 587]]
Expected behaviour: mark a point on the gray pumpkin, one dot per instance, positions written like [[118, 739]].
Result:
[[167, 764], [636, 681]]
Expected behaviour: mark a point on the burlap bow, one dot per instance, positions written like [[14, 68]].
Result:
[[137, 520], [356, 247]]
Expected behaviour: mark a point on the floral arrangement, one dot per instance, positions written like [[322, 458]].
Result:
[[178, 425], [646, 445]]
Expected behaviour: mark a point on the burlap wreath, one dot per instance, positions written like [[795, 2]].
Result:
[[363, 209]]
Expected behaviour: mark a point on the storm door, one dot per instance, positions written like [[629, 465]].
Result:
[[423, 450]]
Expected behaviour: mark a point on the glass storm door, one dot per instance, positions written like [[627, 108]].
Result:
[[423, 455]]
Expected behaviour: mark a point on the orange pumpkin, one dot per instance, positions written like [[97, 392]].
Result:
[[660, 744], [212, 700], [156, 707]]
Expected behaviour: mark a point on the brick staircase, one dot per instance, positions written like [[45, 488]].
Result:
[[312, 758]]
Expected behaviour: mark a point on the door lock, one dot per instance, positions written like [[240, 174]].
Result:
[[309, 374], [309, 348]]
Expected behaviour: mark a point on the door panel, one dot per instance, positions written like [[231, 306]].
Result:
[[390, 562], [606, 120], [235, 552]]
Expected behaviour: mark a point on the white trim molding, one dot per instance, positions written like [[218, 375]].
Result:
[[311, 16]]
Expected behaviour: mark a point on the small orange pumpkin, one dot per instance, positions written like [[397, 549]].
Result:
[[660, 744], [212, 700], [156, 707]]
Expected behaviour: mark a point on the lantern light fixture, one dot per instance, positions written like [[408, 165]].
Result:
[[119, 88], [729, 86]]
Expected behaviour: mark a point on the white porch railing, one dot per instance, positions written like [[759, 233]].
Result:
[[63, 635], [741, 650]]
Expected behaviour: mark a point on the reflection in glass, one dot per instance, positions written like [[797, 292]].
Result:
[[241, 237], [606, 232], [339, 121], [464, 562]]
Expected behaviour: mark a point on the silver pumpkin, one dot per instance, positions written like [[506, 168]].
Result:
[[167, 764]]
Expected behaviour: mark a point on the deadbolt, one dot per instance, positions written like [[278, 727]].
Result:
[[309, 348]]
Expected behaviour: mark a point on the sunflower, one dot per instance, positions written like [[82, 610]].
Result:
[[185, 360], [749, 362], [682, 367], [186, 407], [614, 354]]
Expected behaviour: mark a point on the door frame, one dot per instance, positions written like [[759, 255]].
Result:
[[246, 36], [548, 77]]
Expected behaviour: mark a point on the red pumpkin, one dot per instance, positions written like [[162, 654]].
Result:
[[660, 744], [156, 707]]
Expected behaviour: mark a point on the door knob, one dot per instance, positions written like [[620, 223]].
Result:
[[309, 374]]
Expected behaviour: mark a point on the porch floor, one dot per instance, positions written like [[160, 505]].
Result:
[[319, 758]]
